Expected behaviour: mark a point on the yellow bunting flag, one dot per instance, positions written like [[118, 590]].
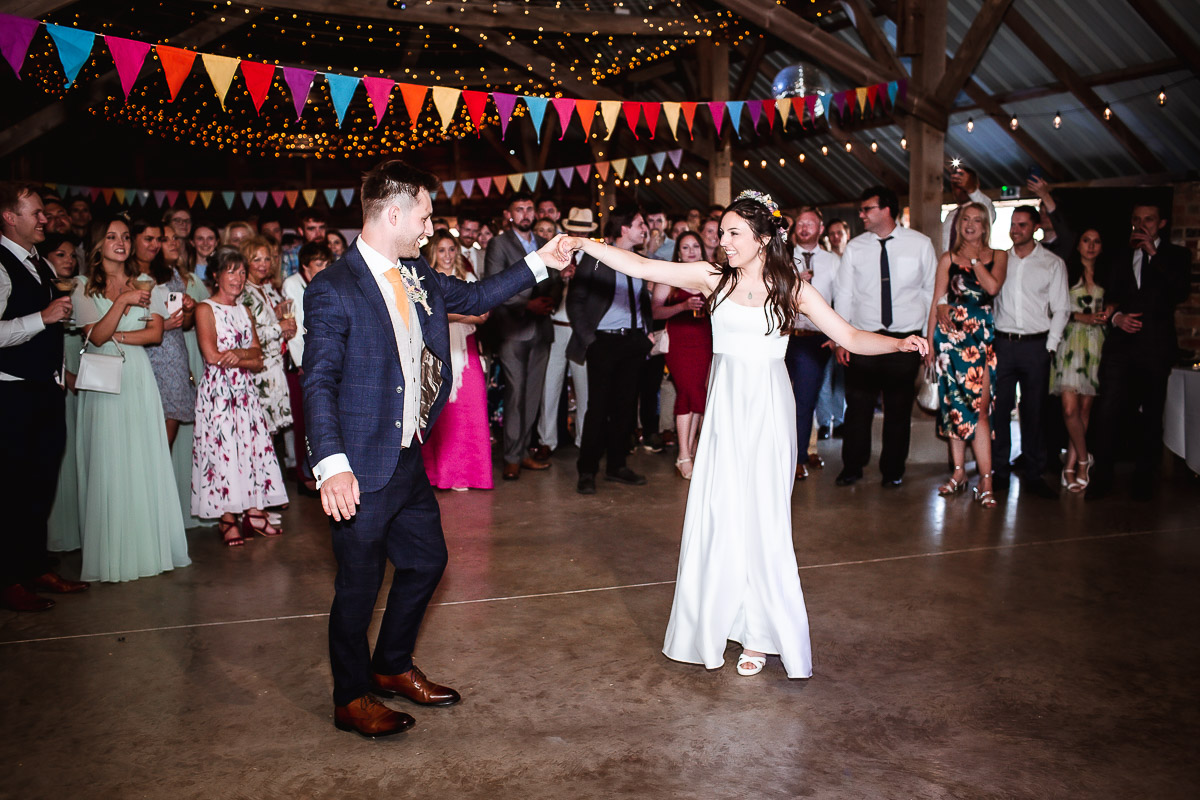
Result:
[[221, 70], [310, 197], [206, 198], [609, 111], [671, 110], [784, 107], [445, 100], [618, 165], [119, 194]]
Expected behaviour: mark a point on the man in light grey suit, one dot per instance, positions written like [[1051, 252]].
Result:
[[523, 325]]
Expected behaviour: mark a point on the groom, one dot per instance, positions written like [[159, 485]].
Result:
[[376, 376]]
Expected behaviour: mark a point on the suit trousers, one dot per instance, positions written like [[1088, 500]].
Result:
[[557, 365], [614, 364], [400, 523], [32, 440], [1026, 363], [1129, 380], [523, 364], [806, 360], [831, 402], [893, 375]]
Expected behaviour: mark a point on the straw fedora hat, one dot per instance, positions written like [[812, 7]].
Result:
[[579, 220]]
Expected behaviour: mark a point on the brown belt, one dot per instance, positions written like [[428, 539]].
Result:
[[563, 324]]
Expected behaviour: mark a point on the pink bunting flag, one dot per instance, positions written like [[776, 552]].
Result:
[[278, 197], [651, 111], [16, 33], [565, 106], [810, 107], [172, 196], [485, 186], [602, 169], [299, 81], [717, 107], [379, 92], [505, 103], [128, 55], [584, 171]]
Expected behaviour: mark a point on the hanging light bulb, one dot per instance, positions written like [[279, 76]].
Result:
[[874, 146], [970, 125], [802, 158], [1013, 123], [1057, 120], [824, 150], [903, 143], [1162, 95], [1107, 112], [849, 147]]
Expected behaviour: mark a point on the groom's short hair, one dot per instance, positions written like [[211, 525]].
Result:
[[393, 181]]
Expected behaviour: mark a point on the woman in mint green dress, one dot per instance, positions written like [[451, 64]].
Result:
[[1075, 375], [63, 525], [128, 504]]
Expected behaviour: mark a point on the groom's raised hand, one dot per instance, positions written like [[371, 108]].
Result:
[[551, 253]]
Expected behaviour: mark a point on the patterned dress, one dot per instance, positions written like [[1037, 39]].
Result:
[[1077, 362], [234, 467], [272, 381], [964, 350], [170, 359]]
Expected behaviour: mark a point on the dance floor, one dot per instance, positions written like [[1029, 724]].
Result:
[[1045, 649]]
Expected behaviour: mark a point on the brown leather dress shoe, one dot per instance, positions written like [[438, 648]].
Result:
[[53, 582], [18, 598], [414, 686], [815, 461], [801, 472], [511, 472], [530, 463], [368, 717], [542, 453]]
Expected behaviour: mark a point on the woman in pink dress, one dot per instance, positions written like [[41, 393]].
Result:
[[458, 450], [234, 467]]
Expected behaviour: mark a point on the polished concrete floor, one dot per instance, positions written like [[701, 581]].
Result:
[[1046, 649]]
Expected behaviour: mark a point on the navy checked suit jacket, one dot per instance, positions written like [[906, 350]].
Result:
[[353, 384]]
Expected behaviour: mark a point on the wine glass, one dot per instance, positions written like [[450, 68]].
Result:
[[66, 285], [285, 310], [145, 283]]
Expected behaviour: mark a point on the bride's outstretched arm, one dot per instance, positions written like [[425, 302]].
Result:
[[696, 276], [846, 335]]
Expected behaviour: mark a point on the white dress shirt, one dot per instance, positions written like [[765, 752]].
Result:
[[1139, 257], [293, 289], [410, 343], [474, 257], [1035, 297], [976, 196], [20, 330], [824, 265], [912, 268]]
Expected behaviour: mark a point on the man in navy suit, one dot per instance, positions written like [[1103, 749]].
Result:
[[376, 376]]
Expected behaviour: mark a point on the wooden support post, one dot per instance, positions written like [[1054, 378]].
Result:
[[720, 164], [926, 143]]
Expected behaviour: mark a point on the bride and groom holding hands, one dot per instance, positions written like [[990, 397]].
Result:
[[377, 374]]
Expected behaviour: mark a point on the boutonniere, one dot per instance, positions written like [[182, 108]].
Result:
[[412, 285]]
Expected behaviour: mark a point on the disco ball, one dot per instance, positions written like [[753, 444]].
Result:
[[798, 80]]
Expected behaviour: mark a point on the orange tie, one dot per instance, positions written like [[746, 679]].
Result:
[[397, 282]]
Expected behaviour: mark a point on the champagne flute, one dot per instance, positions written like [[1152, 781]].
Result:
[[145, 282]]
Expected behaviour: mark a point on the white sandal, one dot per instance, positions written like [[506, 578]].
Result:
[[756, 664], [679, 462]]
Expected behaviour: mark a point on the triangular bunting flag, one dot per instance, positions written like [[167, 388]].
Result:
[[476, 103], [505, 104], [94, 194], [501, 182], [584, 171], [206, 198], [632, 112], [609, 110], [247, 199], [128, 55], [565, 106], [15, 35], [468, 184], [893, 89], [291, 196], [650, 111], [639, 163], [618, 165], [861, 95], [330, 197], [567, 174], [810, 107], [537, 112], [258, 81], [689, 116], [755, 109], [717, 108], [531, 179], [277, 198], [379, 92], [108, 195], [300, 83], [735, 115], [671, 110], [826, 101], [658, 159], [485, 186], [587, 112], [347, 195], [176, 65], [172, 196], [873, 94], [768, 107], [227, 198], [341, 92], [160, 196], [784, 107], [310, 197], [414, 100], [261, 199], [120, 195], [220, 71], [445, 100], [190, 198], [548, 176], [448, 188], [74, 48], [842, 98], [675, 155], [602, 169]]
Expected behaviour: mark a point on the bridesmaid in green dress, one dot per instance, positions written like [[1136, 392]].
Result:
[[128, 504], [1075, 374], [63, 535], [963, 331]]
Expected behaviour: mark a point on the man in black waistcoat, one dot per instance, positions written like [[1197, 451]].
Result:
[[1149, 278], [33, 434]]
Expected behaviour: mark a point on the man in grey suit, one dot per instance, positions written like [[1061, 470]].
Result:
[[523, 325]]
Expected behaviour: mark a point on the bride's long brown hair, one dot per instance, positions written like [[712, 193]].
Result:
[[779, 271]]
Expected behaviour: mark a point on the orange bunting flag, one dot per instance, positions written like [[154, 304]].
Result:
[[602, 169], [587, 112], [689, 116], [176, 64], [414, 100]]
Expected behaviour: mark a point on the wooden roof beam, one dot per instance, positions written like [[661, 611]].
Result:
[[970, 50], [1171, 33], [872, 36]]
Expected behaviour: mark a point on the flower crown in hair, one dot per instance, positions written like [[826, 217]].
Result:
[[770, 205]]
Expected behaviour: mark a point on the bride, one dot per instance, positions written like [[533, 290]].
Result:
[[737, 577]]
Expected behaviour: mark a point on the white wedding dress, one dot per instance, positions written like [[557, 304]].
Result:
[[737, 575]]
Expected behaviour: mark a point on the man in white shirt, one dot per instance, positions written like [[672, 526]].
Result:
[[884, 284], [808, 351], [33, 434], [1031, 313], [964, 182], [468, 242]]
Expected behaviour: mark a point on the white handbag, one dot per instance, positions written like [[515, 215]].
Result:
[[927, 389], [662, 342], [99, 372]]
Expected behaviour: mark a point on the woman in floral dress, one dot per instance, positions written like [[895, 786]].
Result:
[[234, 468], [1075, 375], [263, 299], [963, 330]]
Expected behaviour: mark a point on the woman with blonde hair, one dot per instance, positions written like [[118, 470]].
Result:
[[963, 331], [237, 232], [274, 326]]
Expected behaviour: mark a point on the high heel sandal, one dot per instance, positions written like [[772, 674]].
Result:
[[756, 664], [679, 462], [224, 527], [1084, 475], [265, 529], [987, 499], [1067, 482], [952, 486]]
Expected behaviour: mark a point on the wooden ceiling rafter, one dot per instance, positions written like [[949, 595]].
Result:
[[1171, 33], [970, 50]]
